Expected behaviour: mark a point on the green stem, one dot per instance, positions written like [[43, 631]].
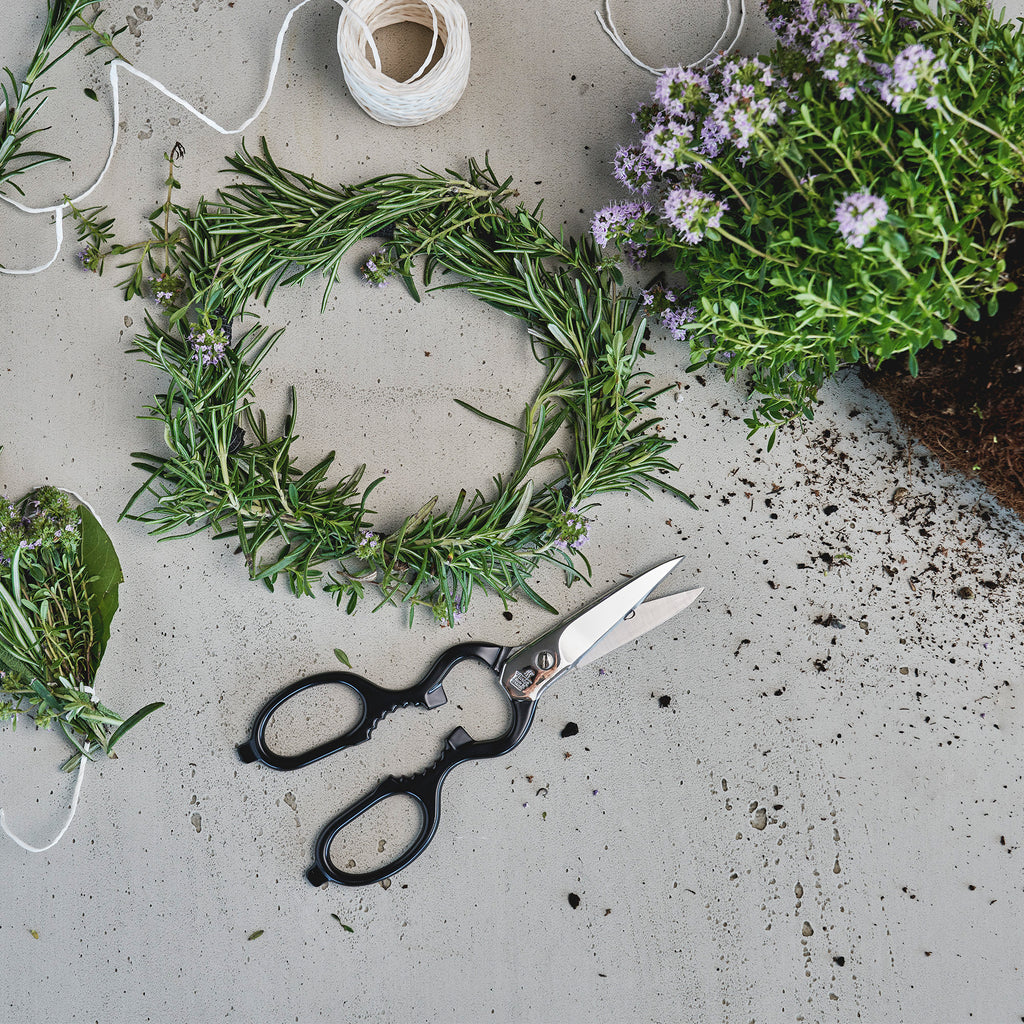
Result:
[[702, 162], [953, 109], [756, 252]]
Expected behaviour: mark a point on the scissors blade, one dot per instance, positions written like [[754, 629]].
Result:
[[646, 617], [587, 629]]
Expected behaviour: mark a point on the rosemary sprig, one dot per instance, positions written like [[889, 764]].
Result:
[[277, 227], [22, 99]]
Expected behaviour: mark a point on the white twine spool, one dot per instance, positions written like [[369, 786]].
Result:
[[426, 94]]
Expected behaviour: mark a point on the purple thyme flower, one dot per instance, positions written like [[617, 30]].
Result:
[[680, 91], [208, 346], [913, 75], [612, 221], [379, 266], [751, 99], [635, 255], [633, 169], [691, 212], [661, 306], [657, 298], [367, 545], [833, 42], [572, 532], [857, 215], [677, 321], [665, 144]]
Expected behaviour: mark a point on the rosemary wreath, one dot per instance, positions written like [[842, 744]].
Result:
[[225, 469]]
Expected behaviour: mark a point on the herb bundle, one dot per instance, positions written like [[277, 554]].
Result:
[[59, 578], [844, 199], [226, 470]]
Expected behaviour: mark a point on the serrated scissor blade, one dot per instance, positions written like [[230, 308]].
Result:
[[577, 637], [646, 617]]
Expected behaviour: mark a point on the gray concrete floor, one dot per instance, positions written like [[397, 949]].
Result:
[[823, 824]]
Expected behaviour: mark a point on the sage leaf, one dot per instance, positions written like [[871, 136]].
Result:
[[103, 578]]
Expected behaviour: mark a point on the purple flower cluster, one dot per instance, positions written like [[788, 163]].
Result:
[[692, 212], [633, 169], [914, 75], [379, 266], [368, 545], [612, 222], [750, 99], [571, 531], [167, 291], [692, 116], [208, 344], [680, 92], [667, 144], [661, 305], [90, 258], [835, 45], [857, 215]]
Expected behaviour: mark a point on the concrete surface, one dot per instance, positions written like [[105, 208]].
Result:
[[824, 822]]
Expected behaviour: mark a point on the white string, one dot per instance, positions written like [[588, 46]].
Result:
[[420, 99], [81, 764], [67, 824], [605, 20]]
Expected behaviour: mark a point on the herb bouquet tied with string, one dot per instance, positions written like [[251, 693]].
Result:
[[589, 429], [59, 580], [843, 200]]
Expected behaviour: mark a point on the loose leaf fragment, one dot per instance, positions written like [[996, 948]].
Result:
[[255, 935], [342, 657]]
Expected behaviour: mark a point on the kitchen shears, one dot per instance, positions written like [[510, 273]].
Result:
[[524, 673]]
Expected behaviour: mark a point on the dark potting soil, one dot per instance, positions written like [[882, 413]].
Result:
[[967, 402]]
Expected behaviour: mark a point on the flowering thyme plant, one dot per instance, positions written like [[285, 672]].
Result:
[[59, 578], [843, 200]]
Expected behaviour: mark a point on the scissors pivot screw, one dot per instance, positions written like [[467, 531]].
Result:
[[545, 660]]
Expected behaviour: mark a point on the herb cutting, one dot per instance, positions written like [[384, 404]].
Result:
[[59, 580], [225, 470]]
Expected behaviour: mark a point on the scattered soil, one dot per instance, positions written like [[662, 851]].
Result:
[[967, 402]]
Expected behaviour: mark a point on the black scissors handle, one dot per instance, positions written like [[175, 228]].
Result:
[[376, 703], [425, 788]]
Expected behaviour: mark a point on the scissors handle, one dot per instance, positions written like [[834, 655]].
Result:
[[425, 789], [376, 702]]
